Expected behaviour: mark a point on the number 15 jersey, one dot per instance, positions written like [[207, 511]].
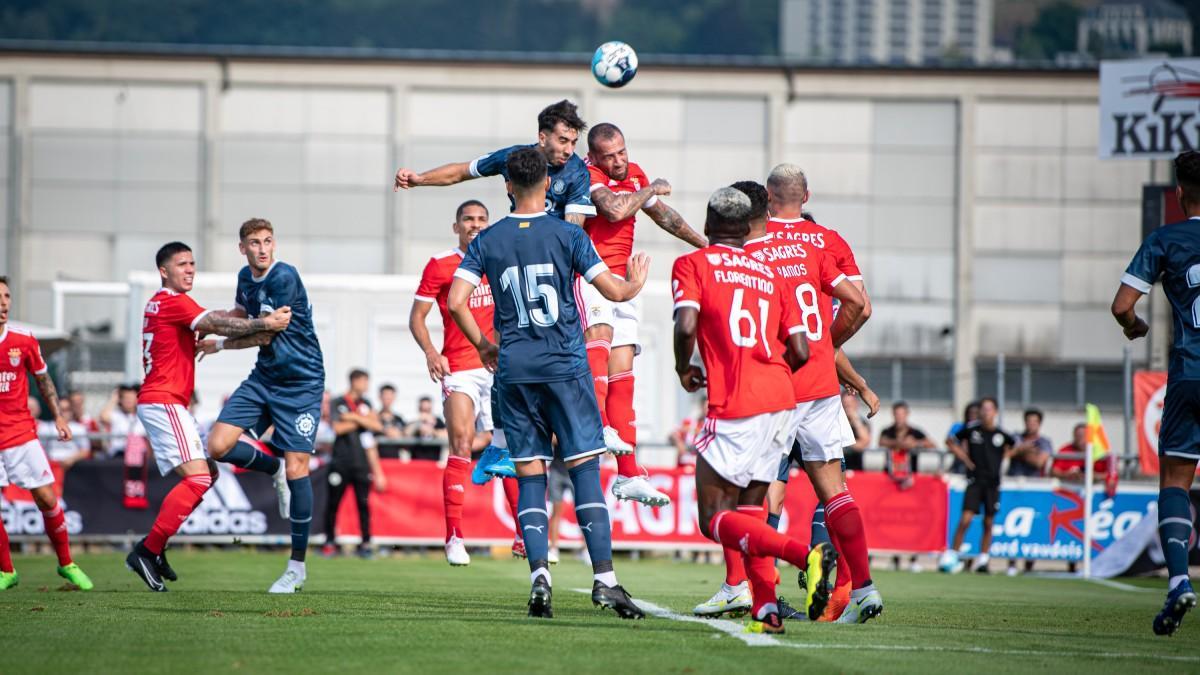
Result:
[[745, 319], [531, 261]]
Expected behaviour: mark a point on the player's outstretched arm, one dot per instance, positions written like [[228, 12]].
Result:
[[222, 323], [671, 222], [438, 365], [460, 311], [616, 207], [851, 378], [447, 174], [49, 394], [691, 377], [1124, 310], [850, 316], [617, 289], [211, 346]]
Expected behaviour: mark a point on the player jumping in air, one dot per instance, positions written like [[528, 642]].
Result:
[[22, 460], [541, 365], [619, 190], [169, 327], [284, 389], [466, 384], [818, 430], [751, 338], [1171, 255]]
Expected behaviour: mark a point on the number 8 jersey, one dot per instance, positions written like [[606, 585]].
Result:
[[531, 261], [745, 318]]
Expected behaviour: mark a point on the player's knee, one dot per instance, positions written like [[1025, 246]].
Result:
[[44, 497]]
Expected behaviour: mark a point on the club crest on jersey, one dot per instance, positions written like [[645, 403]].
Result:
[[713, 258], [305, 425], [14, 357], [559, 186], [262, 296]]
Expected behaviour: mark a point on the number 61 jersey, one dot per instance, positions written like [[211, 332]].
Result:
[[531, 261], [745, 319]]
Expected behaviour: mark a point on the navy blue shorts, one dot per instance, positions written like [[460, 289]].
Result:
[[1179, 433], [785, 462], [533, 411], [294, 409]]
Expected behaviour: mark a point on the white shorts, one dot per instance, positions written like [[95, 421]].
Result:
[[173, 433], [746, 449], [822, 429], [595, 309], [477, 384], [25, 466]]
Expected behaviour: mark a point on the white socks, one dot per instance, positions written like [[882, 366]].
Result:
[[607, 578]]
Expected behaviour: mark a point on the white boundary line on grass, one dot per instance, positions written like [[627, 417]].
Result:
[[1121, 586], [737, 630]]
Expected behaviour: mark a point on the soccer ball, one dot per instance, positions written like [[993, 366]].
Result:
[[614, 64]]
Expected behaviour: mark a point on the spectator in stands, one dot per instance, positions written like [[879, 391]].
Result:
[[861, 427], [683, 438], [1068, 461], [119, 419], [903, 442], [64, 454], [355, 460], [325, 433], [393, 423], [1033, 450], [79, 410], [970, 414], [428, 425]]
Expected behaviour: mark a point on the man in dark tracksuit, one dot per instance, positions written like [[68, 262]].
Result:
[[355, 459]]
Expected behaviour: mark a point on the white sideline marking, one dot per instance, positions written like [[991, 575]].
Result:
[[1121, 586], [736, 630]]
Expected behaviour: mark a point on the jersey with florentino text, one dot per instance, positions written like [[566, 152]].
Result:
[[533, 260], [569, 184], [614, 239], [809, 276], [1171, 254], [294, 354], [745, 318], [169, 348], [435, 287], [22, 355]]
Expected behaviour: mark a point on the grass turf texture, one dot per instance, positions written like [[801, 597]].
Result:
[[420, 615]]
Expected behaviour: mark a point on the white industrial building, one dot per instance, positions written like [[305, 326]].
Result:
[[982, 217]]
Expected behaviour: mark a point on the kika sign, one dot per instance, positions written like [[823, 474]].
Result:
[[1149, 109]]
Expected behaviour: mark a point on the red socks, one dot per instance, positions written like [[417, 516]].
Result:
[[56, 530], [511, 491], [176, 507], [753, 535], [846, 529], [622, 417], [735, 568], [597, 356], [5, 554], [454, 492]]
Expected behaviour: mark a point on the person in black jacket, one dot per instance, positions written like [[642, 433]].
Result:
[[355, 459]]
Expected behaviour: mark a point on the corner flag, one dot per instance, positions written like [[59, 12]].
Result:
[[1100, 448]]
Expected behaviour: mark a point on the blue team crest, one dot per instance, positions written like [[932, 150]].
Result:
[[262, 296], [305, 425], [559, 186]]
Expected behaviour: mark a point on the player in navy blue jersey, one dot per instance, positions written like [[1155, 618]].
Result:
[[283, 390], [531, 258], [1171, 256], [568, 194]]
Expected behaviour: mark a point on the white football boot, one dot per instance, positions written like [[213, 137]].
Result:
[[638, 489], [456, 553], [279, 480], [865, 604], [292, 580], [612, 441], [728, 600]]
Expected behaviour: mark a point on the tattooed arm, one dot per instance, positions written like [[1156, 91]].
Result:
[[614, 206], [214, 345], [224, 323], [575, 218], [670, 221], [49, 394]]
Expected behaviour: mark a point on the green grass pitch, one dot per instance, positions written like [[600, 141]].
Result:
[[419, 615]]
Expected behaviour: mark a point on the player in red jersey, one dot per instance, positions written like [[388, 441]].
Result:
[[807, 274], [466, 384], [751, 338], [619, 189], [23, 462], [169, 328], [787, 193]]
